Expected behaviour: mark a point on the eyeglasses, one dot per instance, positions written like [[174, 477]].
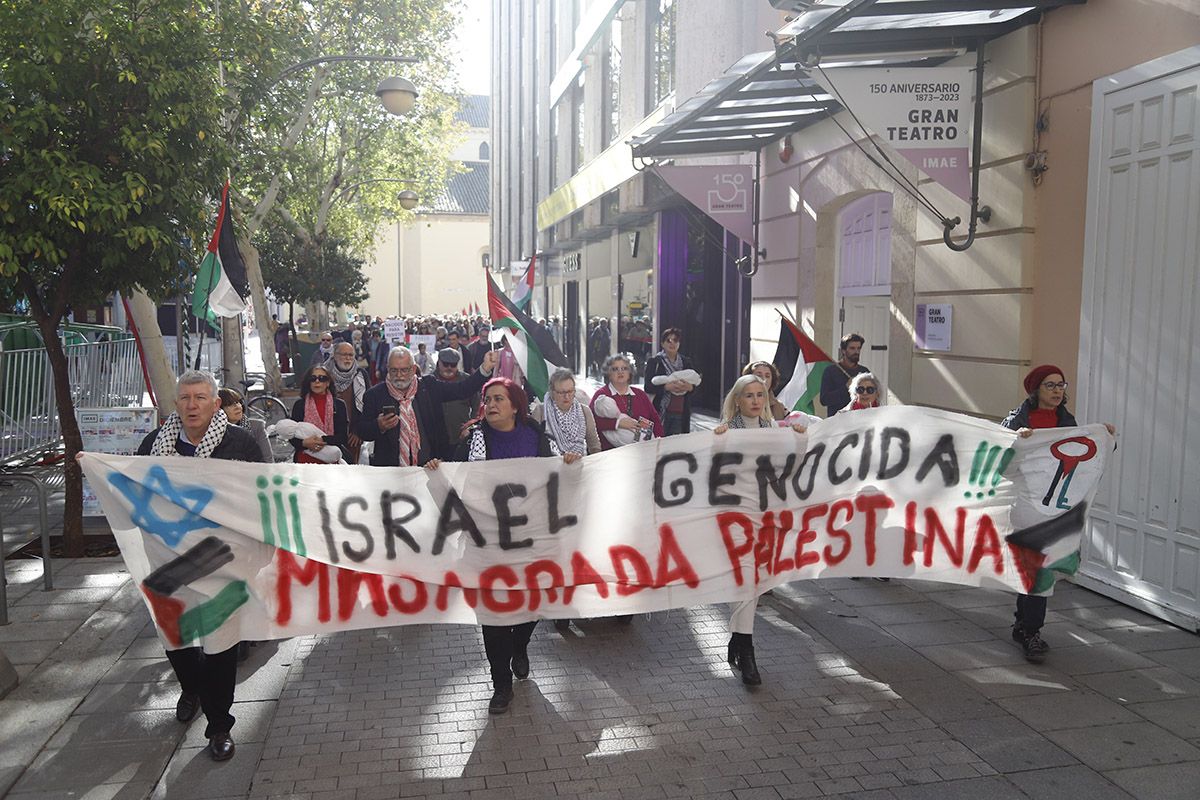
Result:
[[326, 341], [618, 369], [564, 392], [399, 370], [319, 379], [865, 390], [1051, 385]]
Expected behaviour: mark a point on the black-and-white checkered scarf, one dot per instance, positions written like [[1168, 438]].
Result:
[[164, 444], [568, 429]]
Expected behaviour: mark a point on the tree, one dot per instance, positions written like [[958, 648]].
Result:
[[296, 271], [108, 162], [307, 142]]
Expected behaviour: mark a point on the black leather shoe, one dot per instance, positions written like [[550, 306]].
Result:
[[732, 654], [220, 747], [500, 701], [748, 666], [187, 708], [520, 665]]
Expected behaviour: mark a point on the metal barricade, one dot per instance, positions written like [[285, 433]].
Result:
[[47, 576], [105, 374]]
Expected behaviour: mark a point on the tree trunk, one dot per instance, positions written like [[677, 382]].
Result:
[[145, 315], [262, 319], [72, 439], [233, 356]]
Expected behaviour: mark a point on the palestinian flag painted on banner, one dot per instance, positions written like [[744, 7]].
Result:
[[801, 364], [221, 280], [535, 350], [523, 289]]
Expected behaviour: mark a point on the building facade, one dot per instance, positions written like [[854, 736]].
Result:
[[434, 264], [1088, 258]]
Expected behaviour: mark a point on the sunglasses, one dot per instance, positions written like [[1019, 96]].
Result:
[[865, 390], [319, 379]]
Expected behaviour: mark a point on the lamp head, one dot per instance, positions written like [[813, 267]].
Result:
[[397, 95], [408, 199]]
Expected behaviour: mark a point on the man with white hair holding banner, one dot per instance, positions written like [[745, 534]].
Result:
[[199, 429]]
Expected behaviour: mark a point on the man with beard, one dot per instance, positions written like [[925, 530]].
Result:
[[835, 383], [199, 429], [403, 415], [349, 386]]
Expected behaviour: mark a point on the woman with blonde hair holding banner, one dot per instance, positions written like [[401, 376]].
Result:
[[746, 407]]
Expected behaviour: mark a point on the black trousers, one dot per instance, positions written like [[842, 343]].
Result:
[[211, 677], [501, 643], [1031, 613]]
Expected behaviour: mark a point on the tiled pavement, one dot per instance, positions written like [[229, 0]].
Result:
[[892, 691]]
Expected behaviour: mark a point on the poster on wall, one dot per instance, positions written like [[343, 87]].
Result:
[[117, 431], [923, 113], [934, 321]]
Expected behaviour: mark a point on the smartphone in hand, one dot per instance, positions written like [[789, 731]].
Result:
[[389, 410]]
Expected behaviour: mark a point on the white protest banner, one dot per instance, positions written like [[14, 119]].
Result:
[[393, 331], [225, 551], [923, 112]]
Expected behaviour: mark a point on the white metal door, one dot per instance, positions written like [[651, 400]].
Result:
[[870, 317], [1140, 335]]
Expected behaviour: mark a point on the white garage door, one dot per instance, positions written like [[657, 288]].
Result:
[[1140, 335]]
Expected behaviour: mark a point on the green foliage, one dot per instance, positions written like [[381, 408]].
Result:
[[298, 272], [108, 158], [350, 138]]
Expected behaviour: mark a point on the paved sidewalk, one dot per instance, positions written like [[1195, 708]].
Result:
[[891, 691]]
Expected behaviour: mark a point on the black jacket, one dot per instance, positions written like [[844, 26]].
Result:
[[236, 445], [835, 386], [431, 393], [657, 365], [1019, 417], [341, 427], [463, 451]]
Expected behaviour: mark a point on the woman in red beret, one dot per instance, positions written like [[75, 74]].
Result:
[[1044, 407]]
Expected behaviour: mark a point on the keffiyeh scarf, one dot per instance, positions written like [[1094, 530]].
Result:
[[410, 434], [567, 428], [739, 422], [164, 444], [313, 415], [344, 380]]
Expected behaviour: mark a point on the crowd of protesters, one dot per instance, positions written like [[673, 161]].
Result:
[[455, 401]]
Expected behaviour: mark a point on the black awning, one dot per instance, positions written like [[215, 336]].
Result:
[[769, 94]]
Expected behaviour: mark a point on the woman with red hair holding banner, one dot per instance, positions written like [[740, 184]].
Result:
[[504, 429]]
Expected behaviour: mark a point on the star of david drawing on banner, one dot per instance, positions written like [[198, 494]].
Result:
[[191, 500]]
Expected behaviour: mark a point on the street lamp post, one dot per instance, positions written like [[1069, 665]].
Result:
[[397, 96]]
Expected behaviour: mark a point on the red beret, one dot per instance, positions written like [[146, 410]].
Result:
[[1038, 374]]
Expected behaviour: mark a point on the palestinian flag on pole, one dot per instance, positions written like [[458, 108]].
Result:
[[222, 276], [523, 289], [801, 364], [535, 350]]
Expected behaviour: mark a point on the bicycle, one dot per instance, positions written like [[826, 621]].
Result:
[[261, 405]]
